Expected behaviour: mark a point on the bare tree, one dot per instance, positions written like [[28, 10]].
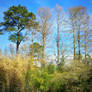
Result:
[[87, 32], [79, 15], [45, 24], [59, 19], [73, 31]]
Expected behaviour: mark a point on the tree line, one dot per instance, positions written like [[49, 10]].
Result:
[[19, 22]]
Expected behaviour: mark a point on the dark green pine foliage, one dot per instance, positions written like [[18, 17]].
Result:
[[35, 50], [16, 19], [1, 31]]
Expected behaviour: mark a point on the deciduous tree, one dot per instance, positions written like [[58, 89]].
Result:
[[45, 25]]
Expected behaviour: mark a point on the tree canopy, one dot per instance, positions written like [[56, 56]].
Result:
[[16, 19]]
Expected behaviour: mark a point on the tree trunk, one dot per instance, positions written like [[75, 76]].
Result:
[[43, 52], [79, 53], [32, 45], [17, 48], [74, 41], [58, 39], [85, 46]]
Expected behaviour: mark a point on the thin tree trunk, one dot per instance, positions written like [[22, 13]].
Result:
[[58, 39], [32, 45], [85, 46], [74, 41], [79, 53], [43, 52]]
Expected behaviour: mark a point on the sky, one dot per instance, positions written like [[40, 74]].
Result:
[[33, 5]]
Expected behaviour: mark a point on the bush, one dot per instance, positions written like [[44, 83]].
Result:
[[21, 75], [74, 80]]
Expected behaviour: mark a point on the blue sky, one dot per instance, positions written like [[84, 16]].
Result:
[[33, 5]]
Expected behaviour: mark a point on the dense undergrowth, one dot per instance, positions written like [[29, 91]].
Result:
[[22, 75]]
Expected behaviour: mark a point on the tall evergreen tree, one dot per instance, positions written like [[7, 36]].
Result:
[[16, 19]]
